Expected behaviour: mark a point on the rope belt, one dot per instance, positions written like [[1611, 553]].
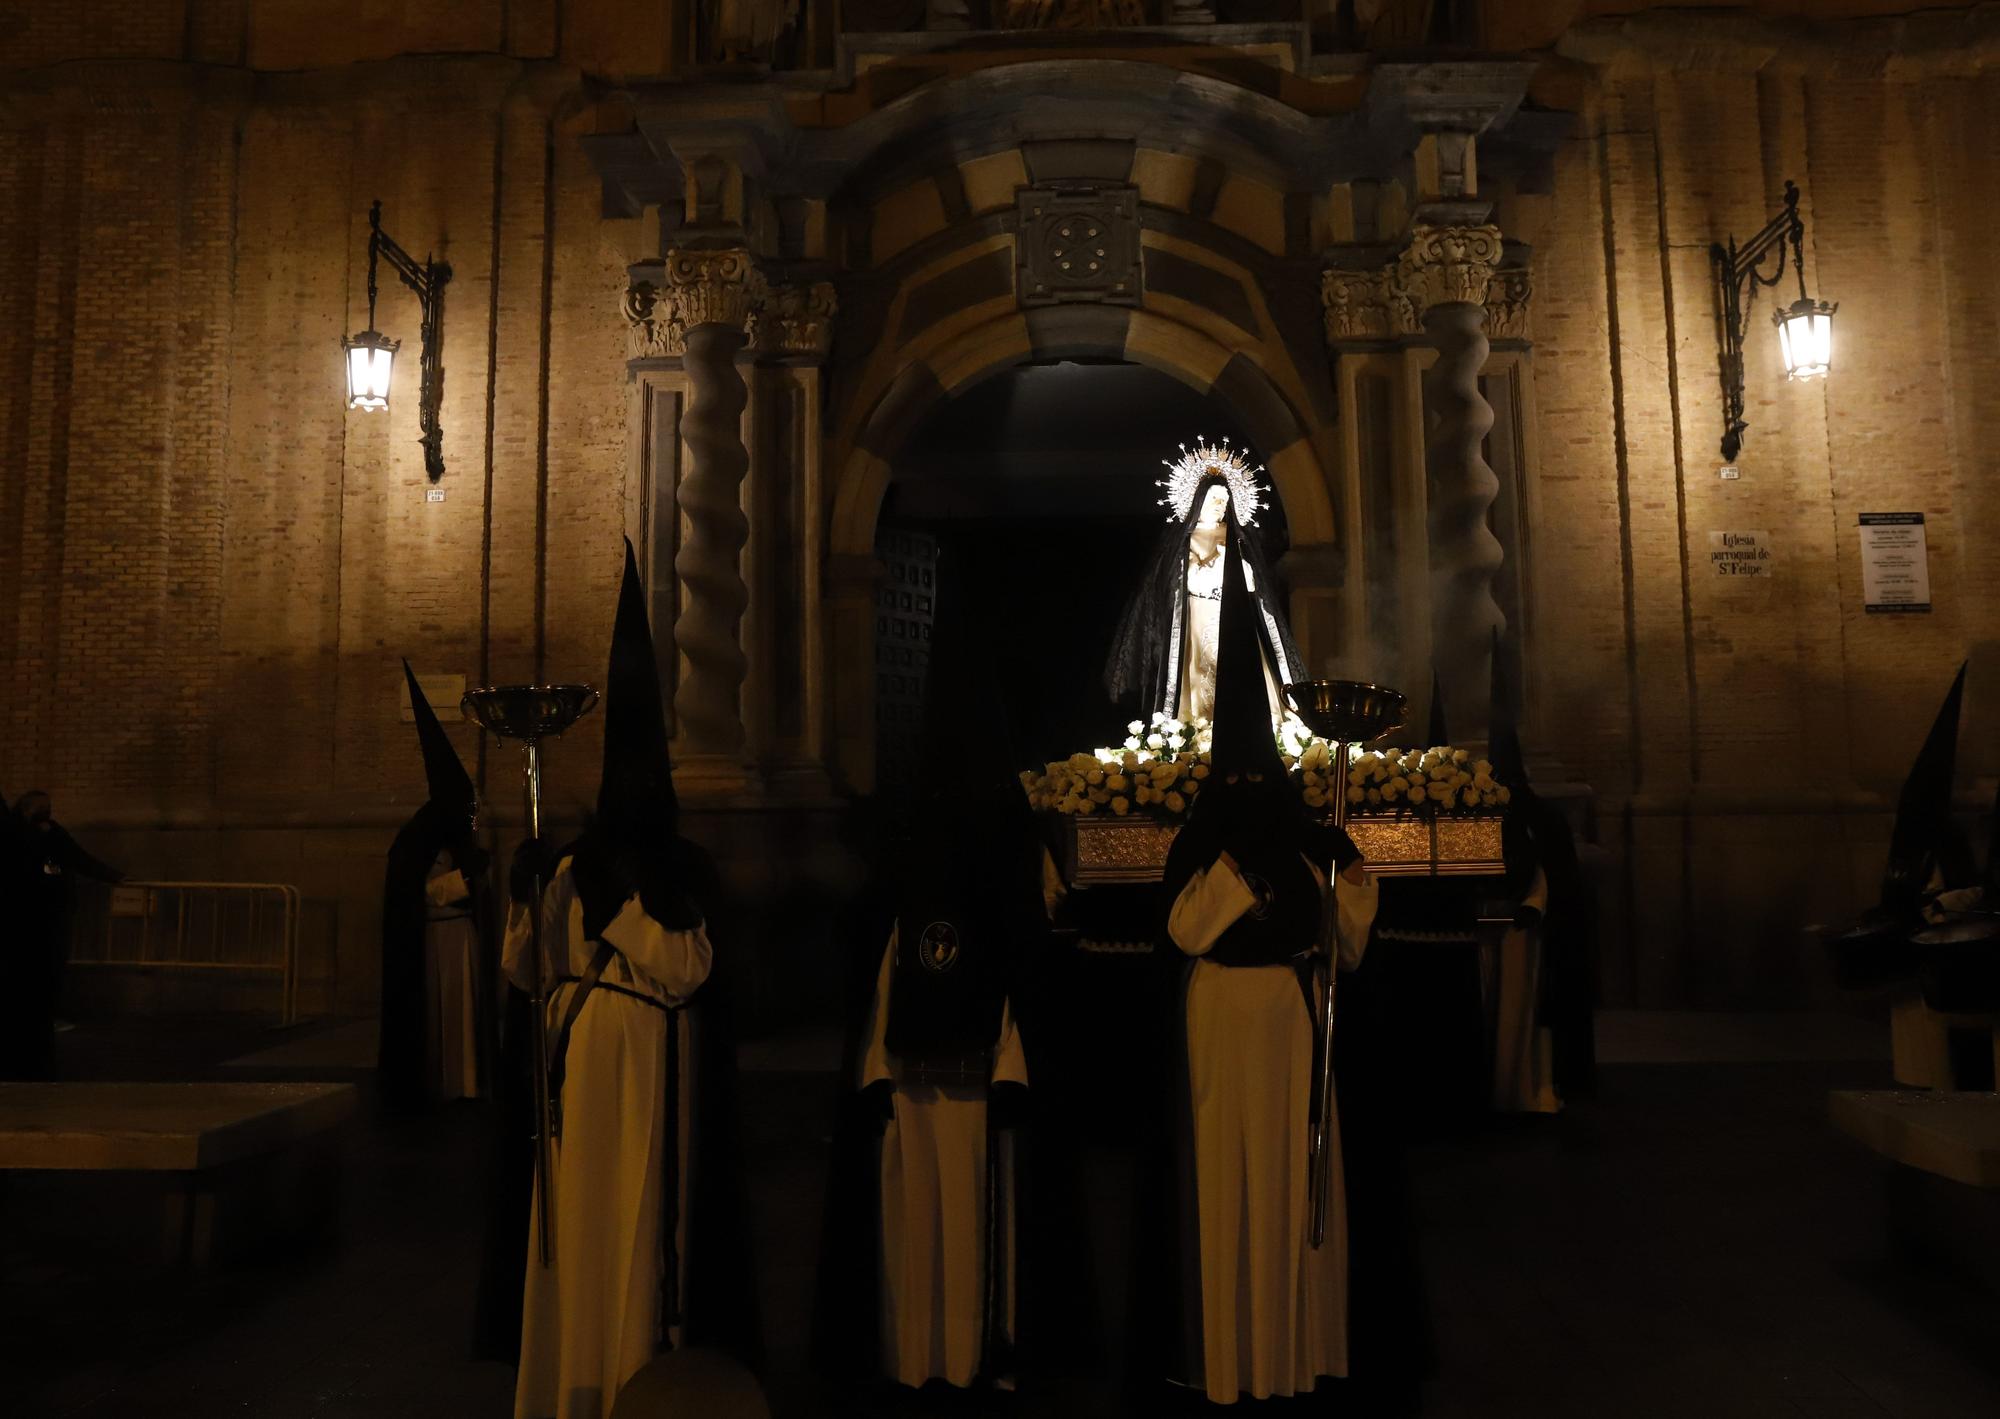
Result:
[[638, 995]]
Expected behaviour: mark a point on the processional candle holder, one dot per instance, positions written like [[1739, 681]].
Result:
[[1346, 713], [530, 714]]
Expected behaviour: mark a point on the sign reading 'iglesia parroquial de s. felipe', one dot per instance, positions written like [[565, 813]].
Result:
[[1740, 554]]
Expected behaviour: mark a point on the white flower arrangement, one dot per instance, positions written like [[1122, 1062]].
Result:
[[1161, 767], [1437, 780]]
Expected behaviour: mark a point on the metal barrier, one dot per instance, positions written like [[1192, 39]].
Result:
[[194, 926]]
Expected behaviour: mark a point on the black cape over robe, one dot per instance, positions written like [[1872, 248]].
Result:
[[1054, 1311]]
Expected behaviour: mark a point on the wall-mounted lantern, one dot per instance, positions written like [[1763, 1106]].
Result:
[[1805, 327], [371, 355]]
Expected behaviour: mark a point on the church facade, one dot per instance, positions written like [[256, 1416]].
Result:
[[1449, 266]]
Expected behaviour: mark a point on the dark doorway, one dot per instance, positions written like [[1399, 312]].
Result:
[[1041, 482]]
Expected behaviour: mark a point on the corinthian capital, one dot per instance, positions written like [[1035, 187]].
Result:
[[1448, 265], [652, 331], [711, 287], [794, 318], [1507, 304]]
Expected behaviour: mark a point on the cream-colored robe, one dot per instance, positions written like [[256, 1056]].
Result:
[[934, 1209], [452, 1041], [591, 1318], [1524, 1053], [1273, 1307]]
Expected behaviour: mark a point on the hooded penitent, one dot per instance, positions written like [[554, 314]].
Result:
[[444, 822], [970, 889], [1144, 666], [1249, 806], [1924, 838], [633, 842], [1537, 834], [961, 884]]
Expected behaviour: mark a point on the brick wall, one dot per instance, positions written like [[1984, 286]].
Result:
[[208, 569]]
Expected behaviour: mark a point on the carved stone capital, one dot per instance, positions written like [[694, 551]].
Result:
[[711, 287], [1507, 305], [652, 330], [1365, 305], [1448, 265], [794, 318]]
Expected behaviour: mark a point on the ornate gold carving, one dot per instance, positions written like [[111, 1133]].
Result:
[[1448, 265], [1118, 849], [794, 318], [1507, 305], [1391, 842]]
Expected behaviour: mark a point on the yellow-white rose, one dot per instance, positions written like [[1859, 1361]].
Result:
[[1201, 769], [1315, 798], [1356, 793], [1117, 783], [1094, 777], [1121, 806], [1374, 795], [1176, 803]]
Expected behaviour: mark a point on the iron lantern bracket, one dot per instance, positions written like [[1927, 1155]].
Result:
[[1739, 272], [428, 279]]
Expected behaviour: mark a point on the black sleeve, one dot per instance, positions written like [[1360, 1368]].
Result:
[[70, 855]]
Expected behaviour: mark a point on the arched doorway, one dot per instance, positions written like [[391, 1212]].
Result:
[[1040, 482]]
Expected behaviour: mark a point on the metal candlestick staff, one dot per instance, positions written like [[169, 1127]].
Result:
[[1347, 713], [532, 713]]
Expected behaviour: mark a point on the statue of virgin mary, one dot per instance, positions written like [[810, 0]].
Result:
[[1164, 653]]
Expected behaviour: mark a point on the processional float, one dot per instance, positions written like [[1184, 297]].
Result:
[[531, 714]]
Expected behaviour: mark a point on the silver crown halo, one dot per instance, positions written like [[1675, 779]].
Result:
[[1186, 474]]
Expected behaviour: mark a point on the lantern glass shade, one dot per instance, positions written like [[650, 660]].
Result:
[[370, 356], [1805, 337]]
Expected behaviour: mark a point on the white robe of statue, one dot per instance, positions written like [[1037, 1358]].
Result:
[[591, 1319], [934, 1209], [1273, 1307], [1207, 552], [452, 1038]]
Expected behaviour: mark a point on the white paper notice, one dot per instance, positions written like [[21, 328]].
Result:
[[1895, 562], [1740, 554]]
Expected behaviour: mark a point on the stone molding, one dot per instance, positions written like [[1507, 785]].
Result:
[[1441, 266], [665, 300]]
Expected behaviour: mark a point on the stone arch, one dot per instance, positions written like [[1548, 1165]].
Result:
[[1284, 435], [968, 346]]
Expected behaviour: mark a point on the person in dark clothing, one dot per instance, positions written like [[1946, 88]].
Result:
[[42, 865], [439, 956]]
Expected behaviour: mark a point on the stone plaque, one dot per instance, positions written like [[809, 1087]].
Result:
[[1077, 244]]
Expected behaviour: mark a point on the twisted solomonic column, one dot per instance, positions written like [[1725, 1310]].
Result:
[[1446, 272], [711, 294]]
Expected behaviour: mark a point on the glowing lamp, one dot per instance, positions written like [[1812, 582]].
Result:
[[370, 357], [1805, 336]]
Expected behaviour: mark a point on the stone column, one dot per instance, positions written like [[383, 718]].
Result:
[[1447, 272], [710, 293]]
